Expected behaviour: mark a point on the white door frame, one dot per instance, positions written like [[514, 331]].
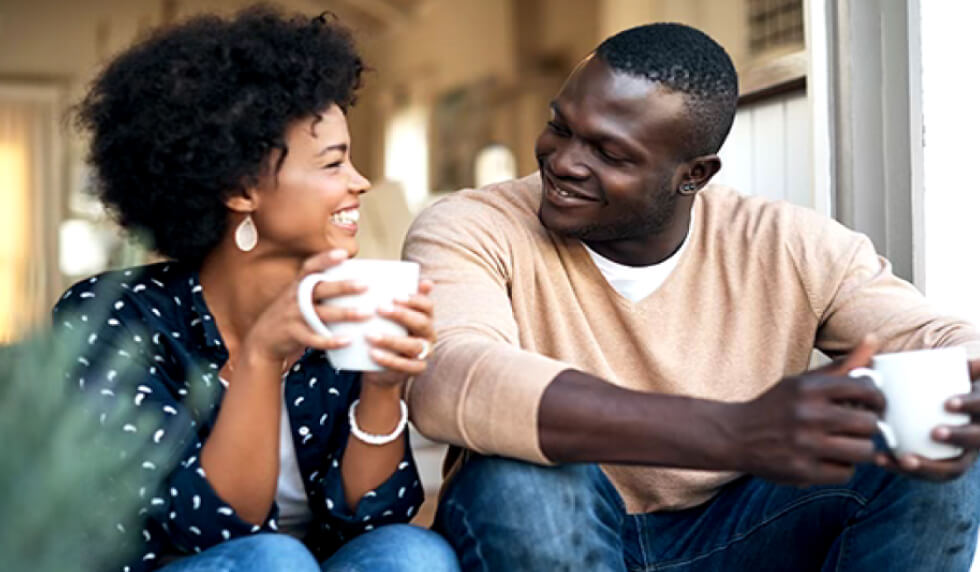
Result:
[[863, 74]]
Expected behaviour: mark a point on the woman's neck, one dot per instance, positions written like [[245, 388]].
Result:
[[238, 286]]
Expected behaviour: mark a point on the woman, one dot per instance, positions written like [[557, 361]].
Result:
[[225, 142]]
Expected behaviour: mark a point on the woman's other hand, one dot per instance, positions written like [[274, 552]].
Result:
[[404, 356]]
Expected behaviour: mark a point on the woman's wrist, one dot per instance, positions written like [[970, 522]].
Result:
[[256, 362], [381, 392], [379, 409]]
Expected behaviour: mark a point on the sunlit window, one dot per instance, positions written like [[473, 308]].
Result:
[[13, 233], [495, 163], [407, 153]]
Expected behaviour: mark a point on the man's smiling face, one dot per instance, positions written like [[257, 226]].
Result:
[[608, 156]]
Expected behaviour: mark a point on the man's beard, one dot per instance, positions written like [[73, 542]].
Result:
[[652, 221]]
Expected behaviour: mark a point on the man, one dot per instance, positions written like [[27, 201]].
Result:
[[621, 352]]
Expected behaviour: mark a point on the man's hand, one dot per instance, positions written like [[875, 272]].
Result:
[[812, 428], [965, 436]]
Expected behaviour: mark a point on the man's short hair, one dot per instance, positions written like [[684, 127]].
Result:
[[684, 60]]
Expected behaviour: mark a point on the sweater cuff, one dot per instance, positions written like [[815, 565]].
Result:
[[502, 410]]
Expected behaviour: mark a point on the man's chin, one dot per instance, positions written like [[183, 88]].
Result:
[[554, 224], [547, 221]]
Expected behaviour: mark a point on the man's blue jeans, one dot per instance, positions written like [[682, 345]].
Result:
[[390, 548], [502, 514]]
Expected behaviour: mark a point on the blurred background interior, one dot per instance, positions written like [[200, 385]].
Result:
[[836, 98]]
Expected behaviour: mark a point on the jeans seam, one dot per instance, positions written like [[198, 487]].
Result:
[[740, 537], [468, 531], [639, 538], [843, 549], [843, 536]]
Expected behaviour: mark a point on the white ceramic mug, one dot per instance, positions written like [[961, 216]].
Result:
[[917, 385], [385, 280]]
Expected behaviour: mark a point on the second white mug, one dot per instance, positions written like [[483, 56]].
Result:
[[917, 385]]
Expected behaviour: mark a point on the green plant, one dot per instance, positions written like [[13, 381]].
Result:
[[67, 487]]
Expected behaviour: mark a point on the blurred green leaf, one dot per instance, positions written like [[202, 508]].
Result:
[[68, 488]]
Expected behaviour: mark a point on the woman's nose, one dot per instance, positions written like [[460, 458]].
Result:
[[358, 182]]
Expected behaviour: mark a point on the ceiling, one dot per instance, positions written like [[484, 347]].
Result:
[[375, 14]]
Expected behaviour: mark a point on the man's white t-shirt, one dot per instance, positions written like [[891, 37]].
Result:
[[636, 282]]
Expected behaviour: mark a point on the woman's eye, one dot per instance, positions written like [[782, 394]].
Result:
[[333, 165]]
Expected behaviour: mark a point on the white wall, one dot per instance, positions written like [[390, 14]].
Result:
[[951, 122], [768, 150]]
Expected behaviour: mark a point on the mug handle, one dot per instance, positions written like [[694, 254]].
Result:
[[886, 431], [305, 299]]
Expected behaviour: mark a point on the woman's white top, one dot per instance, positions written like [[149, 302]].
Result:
[[294, 506]]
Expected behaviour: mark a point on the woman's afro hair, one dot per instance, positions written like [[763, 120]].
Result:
[[190, 116]]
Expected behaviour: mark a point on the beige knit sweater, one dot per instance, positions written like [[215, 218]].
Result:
[[758, 286]]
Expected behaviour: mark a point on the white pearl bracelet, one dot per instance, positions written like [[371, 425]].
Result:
[[371, 439]]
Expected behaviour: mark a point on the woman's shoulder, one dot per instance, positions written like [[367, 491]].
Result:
[[156, 284], [161, 303], [138, 329]]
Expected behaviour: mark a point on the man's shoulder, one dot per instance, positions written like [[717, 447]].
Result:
[[505, 206], [727, 209], [734, 204], [753, 230]]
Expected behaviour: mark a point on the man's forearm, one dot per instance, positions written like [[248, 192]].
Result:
[[583, 418]]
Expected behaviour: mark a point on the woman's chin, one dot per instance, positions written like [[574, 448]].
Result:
[[348, 245]]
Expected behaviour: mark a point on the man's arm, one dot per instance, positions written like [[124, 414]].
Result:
[[805, 430], [483, 392], [480, 390], [854, 292]]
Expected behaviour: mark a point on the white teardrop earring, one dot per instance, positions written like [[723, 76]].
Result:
[[246, 235]]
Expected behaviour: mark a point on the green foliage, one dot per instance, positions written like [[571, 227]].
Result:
[[59, 466]]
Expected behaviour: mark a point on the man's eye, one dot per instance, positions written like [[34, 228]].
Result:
[[615, 159], [557, 128]]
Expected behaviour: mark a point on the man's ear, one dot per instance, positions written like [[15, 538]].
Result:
[[697, 173]]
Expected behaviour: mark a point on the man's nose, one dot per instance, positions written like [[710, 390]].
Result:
[[568, 161]]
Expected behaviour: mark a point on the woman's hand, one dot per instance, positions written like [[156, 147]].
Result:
[[281, 332], [404, 356]]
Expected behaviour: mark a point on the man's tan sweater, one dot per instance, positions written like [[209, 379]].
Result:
[[759, 285]]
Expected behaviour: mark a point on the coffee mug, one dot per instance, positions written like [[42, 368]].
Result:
[[385, 280], [917, 385]]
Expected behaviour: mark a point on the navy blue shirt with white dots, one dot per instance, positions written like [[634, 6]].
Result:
[[148, 338]]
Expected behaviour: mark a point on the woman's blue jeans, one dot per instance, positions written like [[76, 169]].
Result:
[[502, 514], [390, 548]]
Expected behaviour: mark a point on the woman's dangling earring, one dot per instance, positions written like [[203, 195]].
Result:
[[246, 235]]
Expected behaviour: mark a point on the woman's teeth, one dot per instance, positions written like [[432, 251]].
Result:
[[350, 216]]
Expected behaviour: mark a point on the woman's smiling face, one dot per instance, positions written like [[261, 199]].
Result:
[[311, 203]]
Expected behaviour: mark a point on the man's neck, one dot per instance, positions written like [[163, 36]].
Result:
[[646, 250]]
